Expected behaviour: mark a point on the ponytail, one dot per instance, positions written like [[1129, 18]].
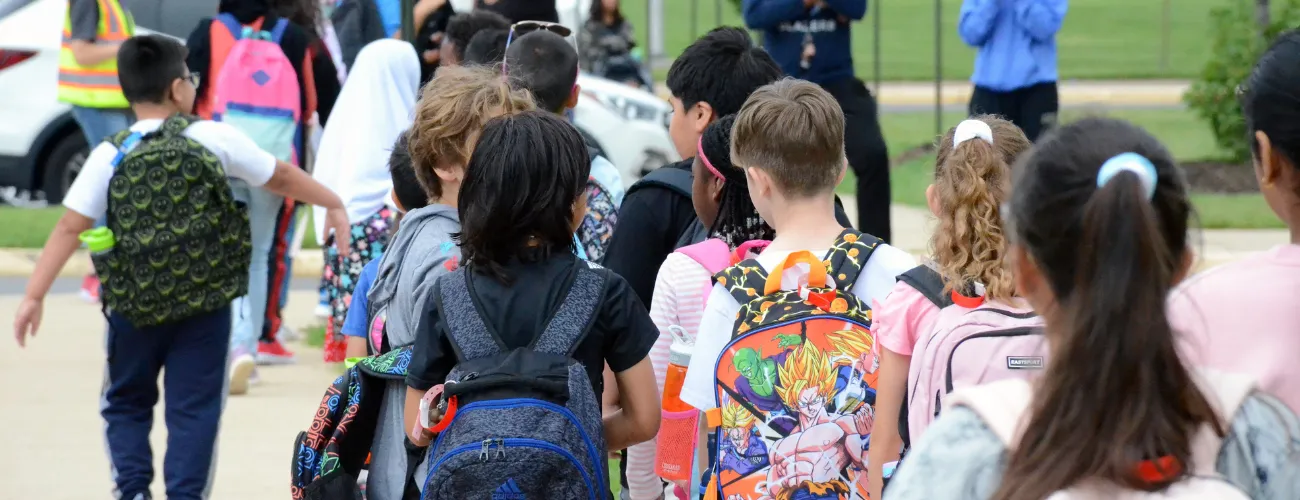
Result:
[[1116, 392]]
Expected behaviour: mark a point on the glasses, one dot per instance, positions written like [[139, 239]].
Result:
[[193, 78], [526, 27]]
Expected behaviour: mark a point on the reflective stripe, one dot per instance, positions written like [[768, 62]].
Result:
[[95, 86], [88, 79]]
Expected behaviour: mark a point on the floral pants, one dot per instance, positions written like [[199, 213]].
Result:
[[369, 239]]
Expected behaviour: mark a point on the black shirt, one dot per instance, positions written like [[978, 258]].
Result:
[[523, 10], [621, 335], [650, 221]]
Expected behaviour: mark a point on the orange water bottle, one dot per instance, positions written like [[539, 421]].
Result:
[[678, 429]]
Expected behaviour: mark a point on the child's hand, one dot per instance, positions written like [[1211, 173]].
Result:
[[28, 319]]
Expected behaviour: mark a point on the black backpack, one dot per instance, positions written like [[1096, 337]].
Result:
[[182, 241]]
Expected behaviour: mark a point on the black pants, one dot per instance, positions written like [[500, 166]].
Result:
[[1032, 108], [868, 155]]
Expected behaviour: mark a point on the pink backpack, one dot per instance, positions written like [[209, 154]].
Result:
[[256, 88], [715, 255], [970, 346], [1004, 405]]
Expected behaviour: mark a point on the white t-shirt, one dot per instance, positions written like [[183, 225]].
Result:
[[873, 285], [239, 155]]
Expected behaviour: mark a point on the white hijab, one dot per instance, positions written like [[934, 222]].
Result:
[[373, 108]]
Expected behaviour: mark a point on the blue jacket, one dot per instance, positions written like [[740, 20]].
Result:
[[1016, 41], [784, 23]]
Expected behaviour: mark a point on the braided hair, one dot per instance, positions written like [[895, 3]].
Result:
[[737, 221]]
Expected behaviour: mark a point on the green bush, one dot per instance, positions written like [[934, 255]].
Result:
[[1237, 45]]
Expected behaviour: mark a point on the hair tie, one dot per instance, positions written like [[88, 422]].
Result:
[[970, 129], [1129, 162], [705, 159]]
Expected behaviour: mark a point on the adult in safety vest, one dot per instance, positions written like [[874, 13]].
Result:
[[92, 32]]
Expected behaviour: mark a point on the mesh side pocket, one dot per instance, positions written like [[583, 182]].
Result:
[[676, 444]]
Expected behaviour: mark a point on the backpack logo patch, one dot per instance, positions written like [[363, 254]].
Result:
[[260, 77], [508, 491], [1024, 362]]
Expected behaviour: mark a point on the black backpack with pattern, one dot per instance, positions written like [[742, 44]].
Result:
[[182, 241]]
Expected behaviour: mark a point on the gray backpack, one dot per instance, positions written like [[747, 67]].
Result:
[[525, 423]]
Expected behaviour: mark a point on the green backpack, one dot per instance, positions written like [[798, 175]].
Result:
[[182, 241]]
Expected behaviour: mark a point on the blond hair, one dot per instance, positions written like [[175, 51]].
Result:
[[451, 112], [852, 343], [734, 416], [794, 131], [972, 180], [804, 368]]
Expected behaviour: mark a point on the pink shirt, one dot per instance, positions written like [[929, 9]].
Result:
[[898, 322], [1242, 317]]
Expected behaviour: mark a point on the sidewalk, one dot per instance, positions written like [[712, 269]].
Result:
[[1072, 92]]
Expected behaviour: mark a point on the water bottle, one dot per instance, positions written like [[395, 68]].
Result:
[[679, 428]]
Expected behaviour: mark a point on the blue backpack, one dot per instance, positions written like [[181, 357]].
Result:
[[526, 422]]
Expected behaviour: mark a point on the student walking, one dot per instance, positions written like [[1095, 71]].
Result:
[[971, 180], [373, 109], [1015, 66], [1097, 221], [1258, 292], [812, 40], [165, 319]]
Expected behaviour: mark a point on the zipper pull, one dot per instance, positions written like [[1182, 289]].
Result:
[[483, 452], [501, 448]]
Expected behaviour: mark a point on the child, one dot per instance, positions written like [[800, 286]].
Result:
[[789, 139], [1097, 222], [407, 195], [461, 29], [487, 47], [723, 205], [448, 117], [191, 341], [375, 106], [971, 180], [1240, 316], [547, 66], [521, 200]]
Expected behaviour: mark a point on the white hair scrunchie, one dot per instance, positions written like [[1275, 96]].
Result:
[[1129, 162], [970, 129]]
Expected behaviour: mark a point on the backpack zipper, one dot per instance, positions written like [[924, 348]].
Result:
[[543, 445], [522, 402], [1013, 332]]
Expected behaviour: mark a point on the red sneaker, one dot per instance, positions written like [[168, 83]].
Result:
[[90, 288], [273, 353]]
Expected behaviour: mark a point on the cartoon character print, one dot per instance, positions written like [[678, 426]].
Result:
[[368, 240], [743, 451], [598, 223]]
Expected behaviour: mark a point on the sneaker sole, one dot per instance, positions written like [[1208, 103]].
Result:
[[240, 374], [89, 297], [266, 360]]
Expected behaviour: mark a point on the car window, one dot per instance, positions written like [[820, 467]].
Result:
[[10, 6]]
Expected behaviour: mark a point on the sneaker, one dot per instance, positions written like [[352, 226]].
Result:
[[241, 372], [287, 334], [273, 353], [254, 378], [90, 288], [322, 310]]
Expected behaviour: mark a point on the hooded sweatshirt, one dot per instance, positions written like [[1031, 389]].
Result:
[[420, 252], [786, 23]]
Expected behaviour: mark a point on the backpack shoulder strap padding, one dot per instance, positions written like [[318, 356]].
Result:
[[674, 179], [469, 335], [712, 253], [929, 282], [277, 33], [1001, 405], [744, 281], [848, 256], [570, 324]]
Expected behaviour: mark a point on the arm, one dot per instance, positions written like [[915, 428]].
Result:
[[638, 419], [885, 441], [84, 17], [356, 347], [852, 9], [91, 53], [1041, 18], [418, 436], [56, 252], [641, 478], [423, 9], [767, 14], [292, 182], [977, 20]]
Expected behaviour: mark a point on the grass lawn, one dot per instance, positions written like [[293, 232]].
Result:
[[1100, 38], [1186, 137]]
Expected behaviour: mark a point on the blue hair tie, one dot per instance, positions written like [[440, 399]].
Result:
[[1129, 162]]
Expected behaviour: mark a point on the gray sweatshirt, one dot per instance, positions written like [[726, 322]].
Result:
[[420, 252]]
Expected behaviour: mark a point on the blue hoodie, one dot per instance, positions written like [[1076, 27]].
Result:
[[1016, 41], [784, 23]]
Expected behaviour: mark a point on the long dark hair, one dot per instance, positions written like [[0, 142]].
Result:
[[305, 13], [598, 13], [737, 221], [520, 190], [1270, 101], [1116, 391]]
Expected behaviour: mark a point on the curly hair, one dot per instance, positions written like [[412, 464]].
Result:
[[971, 181], [450, 114]]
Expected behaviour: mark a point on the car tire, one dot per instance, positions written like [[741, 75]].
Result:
[[62, 164]]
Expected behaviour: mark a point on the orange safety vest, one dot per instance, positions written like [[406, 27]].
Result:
[[95, 86]]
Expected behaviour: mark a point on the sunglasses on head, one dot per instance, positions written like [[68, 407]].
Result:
[[525, 27]]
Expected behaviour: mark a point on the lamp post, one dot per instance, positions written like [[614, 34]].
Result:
[[408, 21]]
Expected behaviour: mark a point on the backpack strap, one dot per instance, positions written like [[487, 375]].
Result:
[[744, 280], [232, 25], [569, 325], [673, 179], [712, 253], [469, 335], [929, 282], [277, 32], [125, 141], [848, 255]]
